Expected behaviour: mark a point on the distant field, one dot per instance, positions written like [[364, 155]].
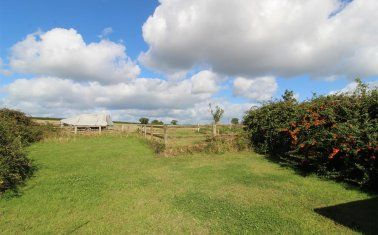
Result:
[[51, 120], [177, 137], [114, 184], [46, 118], [181, 136]]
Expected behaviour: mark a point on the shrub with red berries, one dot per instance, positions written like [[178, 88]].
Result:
[[335, 135]]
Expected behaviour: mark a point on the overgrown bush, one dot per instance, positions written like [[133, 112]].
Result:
[[21, 126], [16, 131], [335, 135], [218, 145], [157, 146]]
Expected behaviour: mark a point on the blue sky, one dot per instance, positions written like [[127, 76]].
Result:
[[188, 56], [20, 18], [89, 17]]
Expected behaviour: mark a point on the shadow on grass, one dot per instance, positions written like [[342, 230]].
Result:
[[358, 215], [16, 190], [290, 163]]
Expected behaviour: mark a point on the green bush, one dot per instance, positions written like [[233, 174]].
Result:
[[157, 122], [264, 125], [144, 120], [335, 135], [16, 131], [21, 126]]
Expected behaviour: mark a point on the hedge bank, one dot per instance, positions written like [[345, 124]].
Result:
[[335, 135]]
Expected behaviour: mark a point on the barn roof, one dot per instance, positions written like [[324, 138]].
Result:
[[92, 120]]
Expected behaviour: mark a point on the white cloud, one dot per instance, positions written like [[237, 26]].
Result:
[[204, 82], [259, 89], [144, 94], [73, 77], [199, 113], [63, 53], [321, 38], [106, 32]]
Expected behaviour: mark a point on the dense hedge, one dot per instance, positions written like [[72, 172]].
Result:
[[16, 131], [335, 135]]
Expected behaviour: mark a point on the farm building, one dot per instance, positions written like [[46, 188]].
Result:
[[100, 121]]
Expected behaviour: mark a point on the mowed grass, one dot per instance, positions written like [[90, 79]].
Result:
[[108, 184]]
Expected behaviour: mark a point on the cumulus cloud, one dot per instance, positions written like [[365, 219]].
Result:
[[63, 53], [205, 82], [73, 77], [199, 113], [50, 94], [259, 89], [320, 38]]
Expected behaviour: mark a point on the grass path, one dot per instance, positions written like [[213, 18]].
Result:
[[110, 185]]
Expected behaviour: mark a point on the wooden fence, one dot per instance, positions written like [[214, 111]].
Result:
[[172, 134], [162, 131]]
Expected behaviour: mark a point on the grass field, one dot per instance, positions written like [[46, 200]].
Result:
[[108, 184]]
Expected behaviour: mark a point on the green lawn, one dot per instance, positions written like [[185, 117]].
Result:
[[108, 184]]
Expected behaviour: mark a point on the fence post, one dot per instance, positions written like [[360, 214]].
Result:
[[75, 130], [128, 131], [152, 131], [198, 127], [165, 134], [145, 131], [99, 129], [123, 127]]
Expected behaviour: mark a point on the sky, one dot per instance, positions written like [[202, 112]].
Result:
[[169, 59]]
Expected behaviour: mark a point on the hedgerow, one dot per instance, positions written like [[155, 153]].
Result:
[[16, 131], [335, 135], [21, 126]]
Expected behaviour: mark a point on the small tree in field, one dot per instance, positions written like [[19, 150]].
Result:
[[144, 120], [174, 122], [235, 121], [217, 114]]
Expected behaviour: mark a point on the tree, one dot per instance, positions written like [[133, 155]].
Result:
[[143, 120], [235, 121], [288, 96], [157, 122], [174, 122], [217, 113]]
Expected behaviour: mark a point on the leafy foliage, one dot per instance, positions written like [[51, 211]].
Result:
[[157, 122], [16, 131], [174, 122], [21, 126], [144, 120], [235, 121], [335, 135], [217, 113]]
